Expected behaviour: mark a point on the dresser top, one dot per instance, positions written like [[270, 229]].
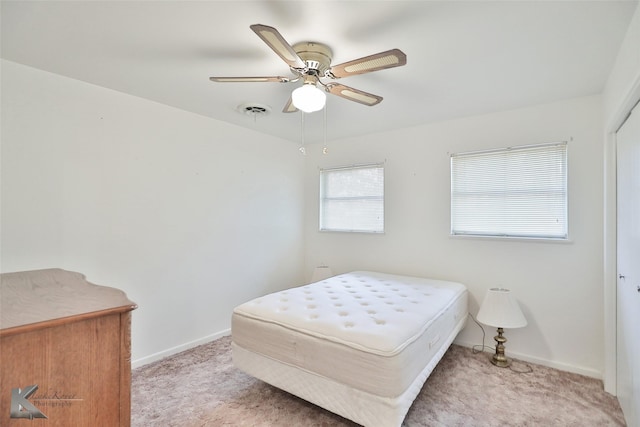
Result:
[[53, 296]]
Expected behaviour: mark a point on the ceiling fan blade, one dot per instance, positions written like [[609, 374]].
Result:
[[379, 61], [280, 46], [289, 108], [353, 94], [276, 79]]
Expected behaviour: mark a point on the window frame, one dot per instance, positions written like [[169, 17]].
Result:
[[322, 227], [562, 235]]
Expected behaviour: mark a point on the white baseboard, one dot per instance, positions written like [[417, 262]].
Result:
[[524, 357], [182, 347], [588, 372]]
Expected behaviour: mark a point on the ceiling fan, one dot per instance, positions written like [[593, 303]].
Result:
[[311, 62]]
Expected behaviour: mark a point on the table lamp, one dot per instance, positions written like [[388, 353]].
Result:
[[501, 310]]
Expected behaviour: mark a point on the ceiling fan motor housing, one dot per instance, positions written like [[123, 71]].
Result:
[[316, 56]]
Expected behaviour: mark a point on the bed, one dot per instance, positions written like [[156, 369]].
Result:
[[360, 344]]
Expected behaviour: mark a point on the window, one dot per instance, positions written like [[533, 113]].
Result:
[[352, 199], [512, 192]]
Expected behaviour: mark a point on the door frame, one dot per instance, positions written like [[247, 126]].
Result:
[[610, 259]]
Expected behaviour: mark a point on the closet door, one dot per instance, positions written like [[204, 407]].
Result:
[[628, 253]]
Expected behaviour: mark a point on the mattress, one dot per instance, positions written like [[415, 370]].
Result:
[[368, 334]]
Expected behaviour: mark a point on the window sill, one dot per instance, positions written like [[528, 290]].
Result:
[[351, 231], [512, 239]]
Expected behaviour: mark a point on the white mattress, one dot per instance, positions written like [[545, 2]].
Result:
[[369, 332]]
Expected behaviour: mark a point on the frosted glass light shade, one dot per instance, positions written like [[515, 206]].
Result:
[[308, 98], [501, 310]]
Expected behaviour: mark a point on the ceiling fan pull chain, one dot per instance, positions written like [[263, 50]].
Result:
[[302, 149], [325, 150]]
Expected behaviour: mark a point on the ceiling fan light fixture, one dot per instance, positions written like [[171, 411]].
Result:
[[308, 98]]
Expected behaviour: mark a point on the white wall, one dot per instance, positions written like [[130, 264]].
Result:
[[559, 285], [620, 92], [188, 215]]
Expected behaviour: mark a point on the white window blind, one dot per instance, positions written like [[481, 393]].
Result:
[[352, 199], [512, 192]]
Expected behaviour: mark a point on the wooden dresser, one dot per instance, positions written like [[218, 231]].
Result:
[[65, 351]]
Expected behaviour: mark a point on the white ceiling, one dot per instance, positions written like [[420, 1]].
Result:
[[463, 58]]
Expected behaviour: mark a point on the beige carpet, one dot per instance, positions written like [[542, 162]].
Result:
[[200, 387]]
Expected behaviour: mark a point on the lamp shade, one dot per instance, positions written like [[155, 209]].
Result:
[[308, 98], [501, 310]]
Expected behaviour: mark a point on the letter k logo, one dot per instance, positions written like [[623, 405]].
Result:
[[21, 407]]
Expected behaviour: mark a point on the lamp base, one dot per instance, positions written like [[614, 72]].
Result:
[[502, 362], [499, 359]]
